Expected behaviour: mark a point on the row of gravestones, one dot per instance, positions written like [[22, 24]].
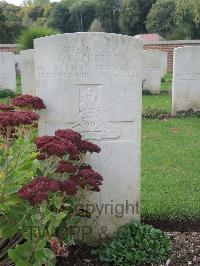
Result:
[[11, 64], [185, 82], [186, 76], [154, 63], [92, 82]]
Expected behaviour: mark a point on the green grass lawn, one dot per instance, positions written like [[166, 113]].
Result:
[[167, 84], [163, 102], [18, 87], [171, 168], [170, 164]]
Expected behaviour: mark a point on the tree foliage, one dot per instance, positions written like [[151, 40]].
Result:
[[96, 26], [171, 19], [10, 22], [129, 17], [83, 13], [108, 12], [161, 18], [183, 7], [59, 17], [133, 15], [175, 19], [188, 13]]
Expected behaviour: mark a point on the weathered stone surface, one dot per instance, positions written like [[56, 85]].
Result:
[[186, 79], [92, 82], [164, 57], [28, 72], [7, 71], [152, 71]]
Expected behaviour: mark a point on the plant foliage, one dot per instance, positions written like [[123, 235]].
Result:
[[136, 244], [27, 37]]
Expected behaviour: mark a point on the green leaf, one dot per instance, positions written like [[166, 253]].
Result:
[[58, 218], [14, 255], [39, 172], [129, 256], [39, 256], [48, 253], [12, 178], [23, 263], [4, 208], [41, 244], [36, 219], [52, 262], [46, 219], [13, 202], [12, 189], [26, 248], [57, 202], [26, 166], [9, 230], [19, 254]]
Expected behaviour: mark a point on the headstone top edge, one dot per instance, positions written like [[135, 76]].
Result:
[[26, 51], [138, 42], [193, 47], [7, 53], [152, 51]]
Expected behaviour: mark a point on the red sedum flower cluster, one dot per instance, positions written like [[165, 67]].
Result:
[[28, 101], [13, 119], [69, 134], [69, 186], [86, 146], [41, 188], [66, 167], [91, 179], [6, 108], [65, 142], [55, 146], [38, 190], [71, 175]]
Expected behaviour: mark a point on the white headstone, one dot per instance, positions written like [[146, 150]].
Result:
[[92, 82], [186, 79], [28, 72], [152, 71], [7, 71], [164, 58]]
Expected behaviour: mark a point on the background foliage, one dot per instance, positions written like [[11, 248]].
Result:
[[27, 37], [172, 19]]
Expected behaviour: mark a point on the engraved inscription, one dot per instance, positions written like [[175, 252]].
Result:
[[74, 63], [90, 115]]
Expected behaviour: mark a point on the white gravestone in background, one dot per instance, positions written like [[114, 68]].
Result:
[[164, 58], [28, 72], [92, 82], [186, 79], [152, 71], [7, 71]]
